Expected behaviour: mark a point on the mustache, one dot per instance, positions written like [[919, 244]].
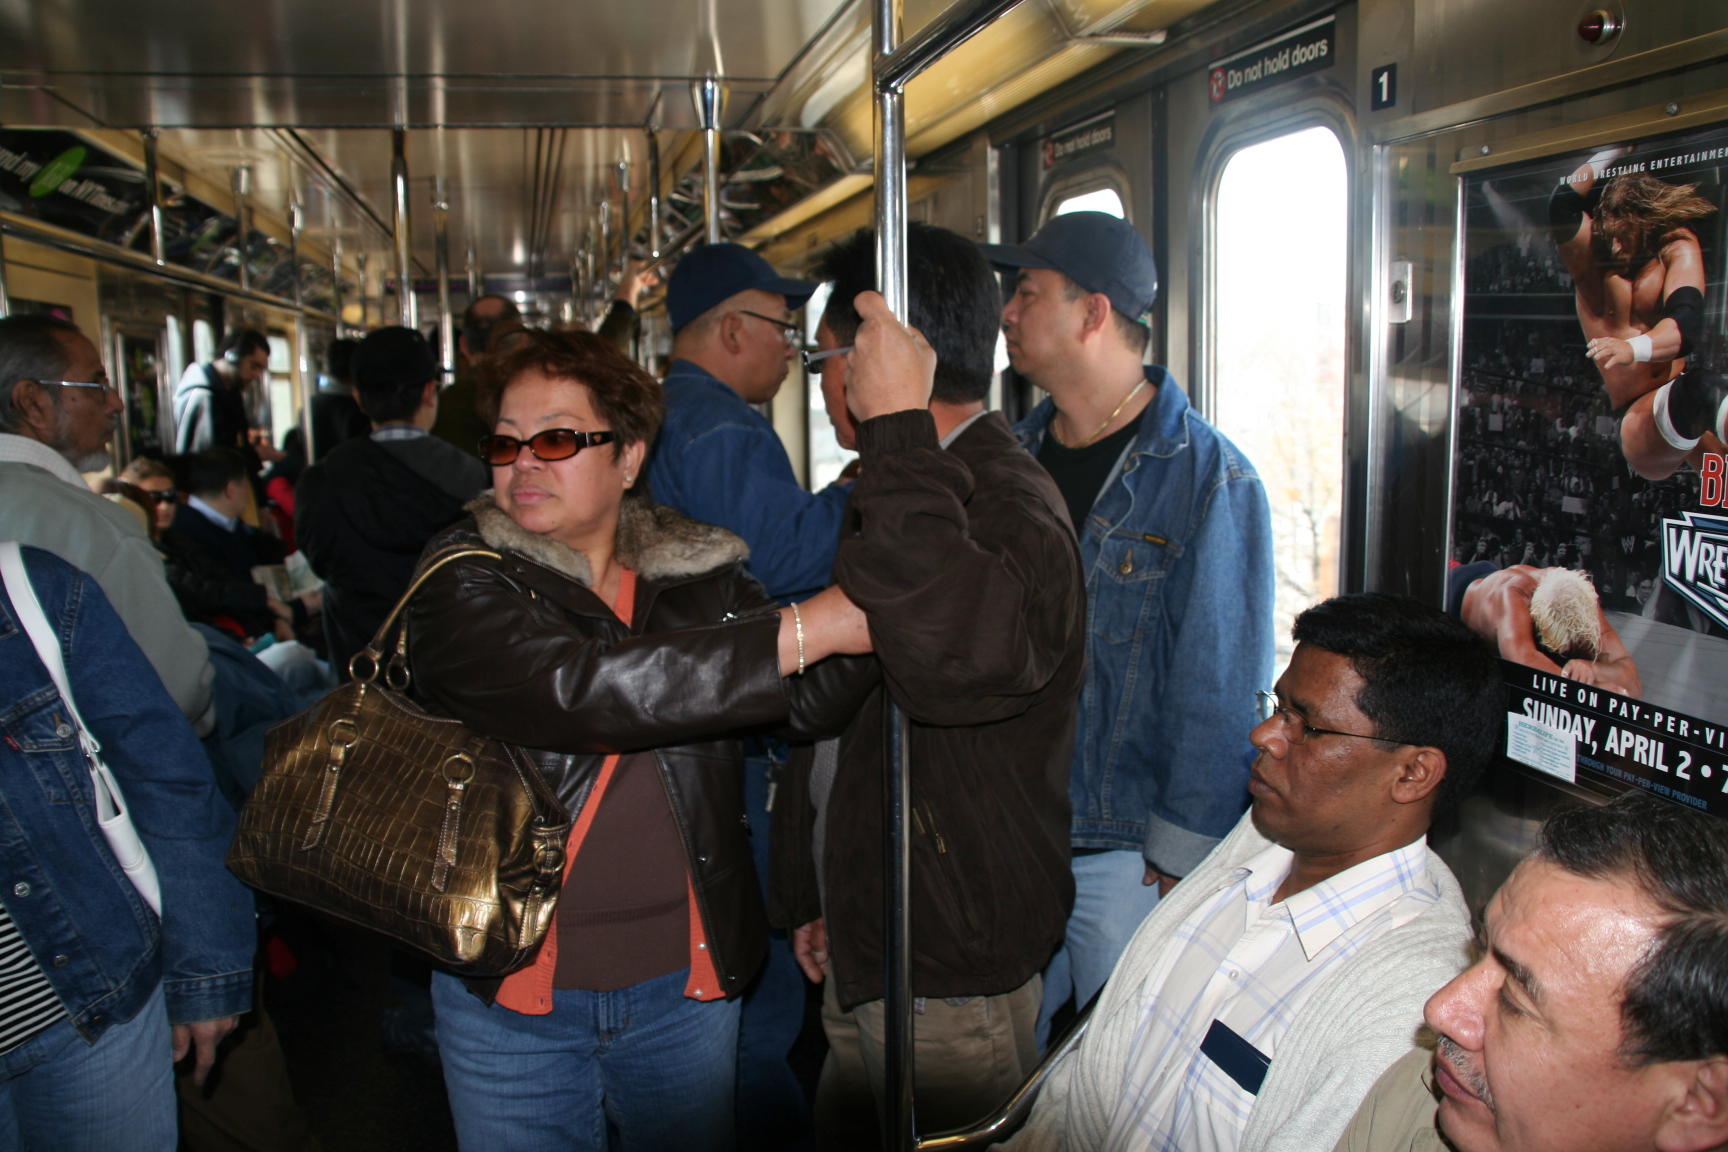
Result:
[[1467, 1073]]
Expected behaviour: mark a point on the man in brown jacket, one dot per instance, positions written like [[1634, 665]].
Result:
[[957, 547]]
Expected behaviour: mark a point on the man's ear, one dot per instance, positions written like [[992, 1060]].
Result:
[[1697, 1120], [36, 408], [1419, 774], [1097, 315], [731, 324], [429, 394]]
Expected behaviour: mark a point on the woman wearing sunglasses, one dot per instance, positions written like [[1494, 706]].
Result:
[[618, 644]]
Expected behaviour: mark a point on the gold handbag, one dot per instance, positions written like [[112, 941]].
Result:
[[372, 810]]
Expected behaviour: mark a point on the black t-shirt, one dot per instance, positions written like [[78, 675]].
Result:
[[1080, 472]]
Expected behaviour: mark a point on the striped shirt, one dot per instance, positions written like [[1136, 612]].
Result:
[[28, 1002], [1249, 965]]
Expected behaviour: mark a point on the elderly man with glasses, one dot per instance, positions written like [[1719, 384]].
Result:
[[57, 415], [1261, 999]]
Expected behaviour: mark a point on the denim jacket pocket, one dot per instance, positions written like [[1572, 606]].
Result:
[[41, 727], [1131, 567]]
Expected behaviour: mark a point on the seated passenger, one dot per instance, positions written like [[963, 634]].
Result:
[[1596, 1019], [616, 643], [1260, 1000], [209, 552]]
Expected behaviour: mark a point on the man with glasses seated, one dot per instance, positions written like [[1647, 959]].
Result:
[[1261, 999]]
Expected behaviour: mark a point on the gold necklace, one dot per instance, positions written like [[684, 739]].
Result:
[[1108, 420]]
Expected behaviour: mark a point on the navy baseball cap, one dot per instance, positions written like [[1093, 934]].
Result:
[[705, 276], [1098, 251]]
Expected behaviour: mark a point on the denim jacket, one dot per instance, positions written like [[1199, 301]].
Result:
[[1177, 552], [99, 944], [717, 459]]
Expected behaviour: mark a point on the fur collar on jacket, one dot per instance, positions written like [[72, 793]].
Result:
[[653, 540]]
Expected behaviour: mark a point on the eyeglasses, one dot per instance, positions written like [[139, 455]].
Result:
[[1293, 727], [789, 329], [161, 495], [811, 359], [552, 444], [104, 385]]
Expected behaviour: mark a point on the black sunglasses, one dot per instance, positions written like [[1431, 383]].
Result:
[[552, 444]]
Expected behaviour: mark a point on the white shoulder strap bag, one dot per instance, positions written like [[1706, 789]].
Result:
[[111, 814]]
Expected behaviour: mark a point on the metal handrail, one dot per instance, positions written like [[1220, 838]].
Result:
[[1003, 1122], [893, 66]]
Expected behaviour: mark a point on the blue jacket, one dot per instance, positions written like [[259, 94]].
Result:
[[99, 944], [1178, 558], [717, 459]]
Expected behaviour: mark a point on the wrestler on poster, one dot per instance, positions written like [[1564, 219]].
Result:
[[1592, 407]]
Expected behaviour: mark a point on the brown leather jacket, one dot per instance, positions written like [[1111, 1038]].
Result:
[[965, 562], [522, 649]]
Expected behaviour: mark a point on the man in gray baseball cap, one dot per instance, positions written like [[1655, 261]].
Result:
[[1176, 542]]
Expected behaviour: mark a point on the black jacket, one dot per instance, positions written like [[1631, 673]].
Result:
[[521, 649], [966, 564], [210, 570], [362, 516]]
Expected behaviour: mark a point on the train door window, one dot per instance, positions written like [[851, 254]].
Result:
[[203, 341], [1097, 200], [281, 413], [1279, 242]]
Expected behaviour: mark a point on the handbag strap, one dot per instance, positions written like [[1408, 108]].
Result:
[[397, 675], [41, 634]]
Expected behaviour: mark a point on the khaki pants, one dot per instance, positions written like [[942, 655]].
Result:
[[247, 1105], [969, 1055]]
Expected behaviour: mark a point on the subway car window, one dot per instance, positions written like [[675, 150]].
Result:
[[1097, 200], [827, 458], [1279, 250]]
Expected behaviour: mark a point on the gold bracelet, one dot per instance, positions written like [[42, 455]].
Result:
[[798, 626]]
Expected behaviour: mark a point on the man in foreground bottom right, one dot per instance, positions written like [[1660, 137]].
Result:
[[1596, 1019]]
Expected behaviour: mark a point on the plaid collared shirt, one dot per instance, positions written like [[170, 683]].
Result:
[[1250, 965]]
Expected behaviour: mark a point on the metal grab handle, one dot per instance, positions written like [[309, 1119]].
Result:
[[1003, 1122]]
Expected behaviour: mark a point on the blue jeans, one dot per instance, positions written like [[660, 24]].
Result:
[[59, 1091], [1109, 903], [655, 1065], [773, 1112]]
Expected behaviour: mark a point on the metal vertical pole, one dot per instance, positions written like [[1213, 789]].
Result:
[[653, 194], [304, 383], [901, 1123], [242, 186], [336, 281], [400, 222], [441, 252], [623, 220], [364, 259], [153, 198], [708, 95], [474, 276], [603, 272], [5, 299]]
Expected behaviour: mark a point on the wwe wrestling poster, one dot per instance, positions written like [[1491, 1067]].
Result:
[[1589, 519]]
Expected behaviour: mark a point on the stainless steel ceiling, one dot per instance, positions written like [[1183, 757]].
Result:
[[520, 109]]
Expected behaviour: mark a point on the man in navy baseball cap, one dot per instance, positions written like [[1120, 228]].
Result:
[[1099, 252], [1176, 542], [711, 275]]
